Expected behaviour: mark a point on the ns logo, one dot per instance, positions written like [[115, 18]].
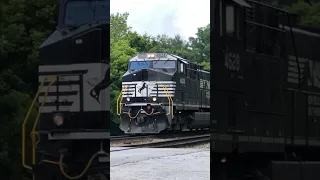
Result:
[[309, 69]]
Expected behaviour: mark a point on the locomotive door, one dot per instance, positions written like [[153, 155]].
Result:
[[227, 65], [181, 82]]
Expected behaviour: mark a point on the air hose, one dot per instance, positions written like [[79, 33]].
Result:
[[85, 169]]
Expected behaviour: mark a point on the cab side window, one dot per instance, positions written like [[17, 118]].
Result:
[[181, 67]]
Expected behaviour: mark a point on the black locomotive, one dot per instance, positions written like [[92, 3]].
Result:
[[70, 135], [163, 92], [265, 94]]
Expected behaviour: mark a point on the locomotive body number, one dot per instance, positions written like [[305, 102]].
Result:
[[232, 61]]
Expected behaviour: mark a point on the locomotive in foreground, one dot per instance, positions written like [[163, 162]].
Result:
[[70, 133], [163, 92], [265, 94]]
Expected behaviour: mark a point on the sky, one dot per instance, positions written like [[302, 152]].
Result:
[[169, 17]]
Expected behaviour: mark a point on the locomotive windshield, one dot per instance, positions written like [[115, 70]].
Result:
[[139, 65], [156, 64], [82, 12]]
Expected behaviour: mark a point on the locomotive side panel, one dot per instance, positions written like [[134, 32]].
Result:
[[205, 90], [247, 76], [304, 92]]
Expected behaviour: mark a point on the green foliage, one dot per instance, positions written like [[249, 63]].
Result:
[[24, 25], [309, 14]]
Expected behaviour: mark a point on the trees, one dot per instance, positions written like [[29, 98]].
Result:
[[309, 14], [24, 25]]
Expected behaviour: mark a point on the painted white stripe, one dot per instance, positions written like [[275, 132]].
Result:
[[53, 109], [152, 86], [61, 88], [152, 92], [294, 64], [292, 80], [293, 69], [294, 75], [133, 89], [300, 59], [151, 82], [160, 95], [71, 67], [61, 78], [61, 98]]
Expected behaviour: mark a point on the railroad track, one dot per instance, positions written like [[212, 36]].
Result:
[[161, 136], [174, 143], [128, 137]]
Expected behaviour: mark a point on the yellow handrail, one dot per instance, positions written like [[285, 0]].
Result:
[[33, 133], [119, 104], [169, 99]]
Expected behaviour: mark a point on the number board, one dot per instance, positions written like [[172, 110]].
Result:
[[152, 55], [232, 61]]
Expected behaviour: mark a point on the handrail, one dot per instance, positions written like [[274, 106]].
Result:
[[170, 101], [169, 98], [33, 133], [163, 86], [120, 99]]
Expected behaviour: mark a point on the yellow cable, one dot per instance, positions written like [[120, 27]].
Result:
[[150, 113], [83, 172], [129, 114]]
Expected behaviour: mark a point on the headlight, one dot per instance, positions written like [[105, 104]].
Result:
[[154, 99], [128, 99], [58, 119]]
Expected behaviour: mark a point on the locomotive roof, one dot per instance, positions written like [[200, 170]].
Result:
[[158, 56], [163, 56], [301, 31]]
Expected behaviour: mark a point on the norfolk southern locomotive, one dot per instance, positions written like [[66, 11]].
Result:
[[70, 135], [162, 91], [265, 96]]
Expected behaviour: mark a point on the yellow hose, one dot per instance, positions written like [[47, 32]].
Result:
[[83, 172]]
